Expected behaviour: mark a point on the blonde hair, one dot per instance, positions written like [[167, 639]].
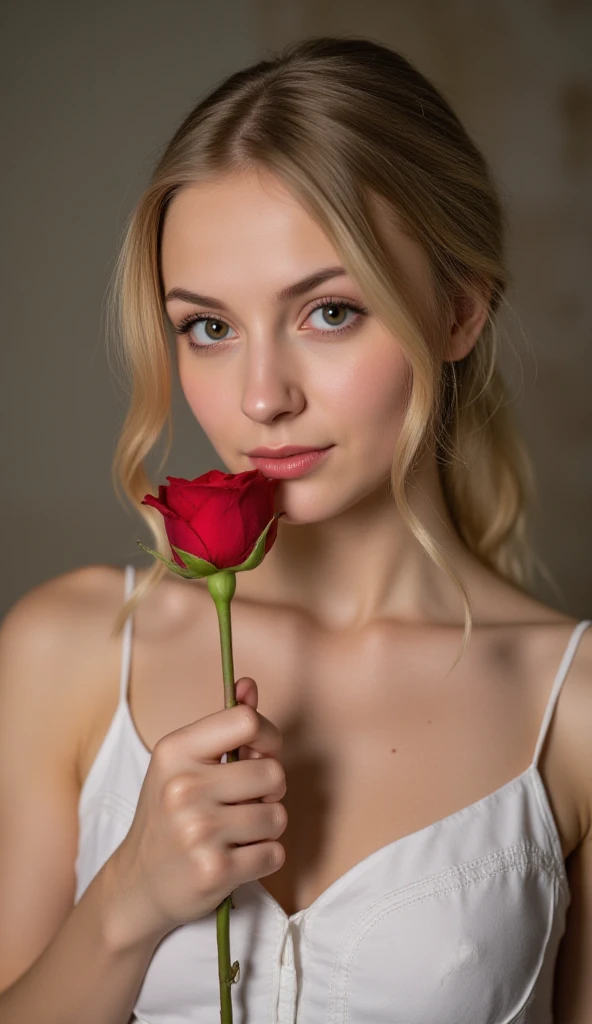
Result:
[[351, 127]]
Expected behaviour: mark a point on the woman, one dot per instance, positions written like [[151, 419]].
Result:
[[323, 232]]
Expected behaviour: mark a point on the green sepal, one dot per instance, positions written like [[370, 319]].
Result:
[[256, 556], [198, 567], [173, 566]]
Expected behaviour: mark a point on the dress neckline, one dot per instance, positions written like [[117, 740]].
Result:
[[531, 774]]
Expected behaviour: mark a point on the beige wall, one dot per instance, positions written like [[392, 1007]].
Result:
[[92, 92]]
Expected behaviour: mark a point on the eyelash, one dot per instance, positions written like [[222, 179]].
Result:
[[187, 323]]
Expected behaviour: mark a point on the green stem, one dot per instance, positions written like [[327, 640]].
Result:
[[222, 586]]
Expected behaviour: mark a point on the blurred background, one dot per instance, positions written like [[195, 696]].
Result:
[[92, 93]]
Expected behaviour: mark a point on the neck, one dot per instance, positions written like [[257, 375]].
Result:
[[363, 564]]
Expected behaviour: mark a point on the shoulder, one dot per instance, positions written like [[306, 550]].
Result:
[[58, 615], [77, 590], [566, 755], [47, 613], [51, 641], [539, 637], [554, 635], [574, 723]]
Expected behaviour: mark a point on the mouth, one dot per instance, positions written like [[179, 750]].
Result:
[[283, 450], [290, 466]]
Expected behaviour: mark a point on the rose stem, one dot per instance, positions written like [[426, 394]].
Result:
[[222, 586]]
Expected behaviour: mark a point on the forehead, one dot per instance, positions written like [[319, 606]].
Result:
[[232, 220], [250, 227]]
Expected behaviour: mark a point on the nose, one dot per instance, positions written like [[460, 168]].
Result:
[[271, 382]]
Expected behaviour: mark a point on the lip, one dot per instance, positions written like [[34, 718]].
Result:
[[282, 451], [289, 467]]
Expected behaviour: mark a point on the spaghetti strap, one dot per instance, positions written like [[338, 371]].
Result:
[[126, 652], [562, 671]]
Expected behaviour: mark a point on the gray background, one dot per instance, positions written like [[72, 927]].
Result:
[[91, 94]]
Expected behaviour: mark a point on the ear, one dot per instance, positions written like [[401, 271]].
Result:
[[470, 315]]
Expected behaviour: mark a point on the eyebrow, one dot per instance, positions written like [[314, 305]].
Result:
[[292, 291]]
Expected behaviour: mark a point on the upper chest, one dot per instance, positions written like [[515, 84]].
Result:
[[378, 740]]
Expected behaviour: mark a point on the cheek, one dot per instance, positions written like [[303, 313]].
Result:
[[374, 397], [201, 397]]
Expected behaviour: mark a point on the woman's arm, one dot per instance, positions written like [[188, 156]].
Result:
[[59, 964], [573, 977], [572, 1003], [83, 975]]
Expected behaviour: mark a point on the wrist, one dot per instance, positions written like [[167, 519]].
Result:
[[121, 929]]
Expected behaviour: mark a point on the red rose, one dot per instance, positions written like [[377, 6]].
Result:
[[218, 516]]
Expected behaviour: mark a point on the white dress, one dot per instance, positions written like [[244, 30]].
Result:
[[457, 923]]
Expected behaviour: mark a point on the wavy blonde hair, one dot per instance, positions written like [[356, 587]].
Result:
[[359, 136]]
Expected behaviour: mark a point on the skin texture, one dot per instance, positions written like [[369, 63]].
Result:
[[278, 380]]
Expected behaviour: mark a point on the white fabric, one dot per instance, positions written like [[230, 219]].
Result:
[[457, 923]]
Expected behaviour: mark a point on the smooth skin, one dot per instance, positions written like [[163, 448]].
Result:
[[381, 636]]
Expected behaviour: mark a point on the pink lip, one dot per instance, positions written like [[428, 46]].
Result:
[[288, 467], [282, 451]]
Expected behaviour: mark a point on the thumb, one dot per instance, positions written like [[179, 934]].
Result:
[[246, 691]]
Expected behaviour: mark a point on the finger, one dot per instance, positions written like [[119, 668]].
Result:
[[246, 691]]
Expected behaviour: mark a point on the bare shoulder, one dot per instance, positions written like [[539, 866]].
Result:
[[538, 637], [572, 720], [574, 724], [57, 598], [50, 638], [53, 613]]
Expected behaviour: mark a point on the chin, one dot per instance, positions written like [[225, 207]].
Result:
[[299, 511]]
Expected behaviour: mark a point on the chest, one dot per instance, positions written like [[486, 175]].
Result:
[[379, 742]]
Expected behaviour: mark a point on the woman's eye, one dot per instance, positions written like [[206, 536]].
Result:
[[213, 330], [332, 316]]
